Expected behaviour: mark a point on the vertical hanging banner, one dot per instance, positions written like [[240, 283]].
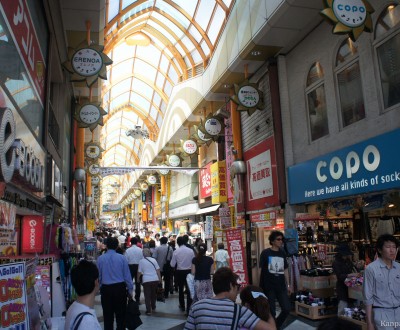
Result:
[[32, 234], [205, 181], [208, 227], [237, 255], [218, 183], [13, 303]]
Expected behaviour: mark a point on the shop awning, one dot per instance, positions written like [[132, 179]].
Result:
[[208, 209]]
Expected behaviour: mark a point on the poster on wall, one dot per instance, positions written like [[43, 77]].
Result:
[[8, 212], [8, 243], [237, 255], [13, 303]]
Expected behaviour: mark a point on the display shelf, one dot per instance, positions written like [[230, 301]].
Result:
[[314, 312], [363, 325]]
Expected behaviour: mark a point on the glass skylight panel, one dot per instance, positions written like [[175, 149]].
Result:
[[187, 61], [187, 6], [204, 12], [106, 97], [122, 52], [163, 6], [164, 64], [168, 88], [180, 49], [173, 75], [119, 159], [135, 148], [113, 9], [227, 2], [112, 28], [111, 141], [143, 88], [188, 43], [149, 53], [163, 31], [163, 107], [171, 25], [168, 52], [122, 70], [205, 47], [156, 99], [118, 101], [121, 87], [160, 81], [153, 112], [144, 69], [195, 33], [216, 25], [140, 102], [159, 121], [196, 56]]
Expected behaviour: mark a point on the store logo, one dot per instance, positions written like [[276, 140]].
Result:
[[32, 234], [370, 160]]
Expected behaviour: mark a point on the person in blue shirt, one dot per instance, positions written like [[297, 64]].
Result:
[[115, 283]]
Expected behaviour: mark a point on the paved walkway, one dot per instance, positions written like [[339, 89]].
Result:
[[169, 317]]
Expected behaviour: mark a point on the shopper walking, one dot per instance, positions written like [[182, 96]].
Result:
[[201, 269], [133, 255], [163, 255], [274, 278], [221, 257], [149, 271], [115, 282], [182, 259]]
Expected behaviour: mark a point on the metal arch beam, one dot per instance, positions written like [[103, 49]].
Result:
[[128, 148]]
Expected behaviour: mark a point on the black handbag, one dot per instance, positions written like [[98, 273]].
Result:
[[132, 318], [167, 264]]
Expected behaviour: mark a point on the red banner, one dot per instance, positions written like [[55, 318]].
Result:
[[32, 234], [237, 255], [205, 181], [24, 34]]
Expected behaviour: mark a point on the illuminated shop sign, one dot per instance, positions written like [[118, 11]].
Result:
[[18, 161], [365, 167]]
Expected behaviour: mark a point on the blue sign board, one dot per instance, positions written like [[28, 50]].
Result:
[[369, 166]]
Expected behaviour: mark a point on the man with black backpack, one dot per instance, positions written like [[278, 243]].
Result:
[[81, 314], [163, 255]]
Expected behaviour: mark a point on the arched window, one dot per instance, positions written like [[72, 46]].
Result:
[[387, 36], [349, 83], [315, 93]]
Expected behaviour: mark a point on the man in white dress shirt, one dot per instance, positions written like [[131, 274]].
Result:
[[182, 259], [134, 254]]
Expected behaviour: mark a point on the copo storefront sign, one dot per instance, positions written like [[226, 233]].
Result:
[[19, 162], [365, 167]]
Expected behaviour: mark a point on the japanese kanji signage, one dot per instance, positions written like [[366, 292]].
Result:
[[218, 183], [237, 255], [205, 181]]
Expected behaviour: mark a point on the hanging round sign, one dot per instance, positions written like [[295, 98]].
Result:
[[174, 160], [213, 126], [138, 192], [163, 172], [87, 62], [351, 13], [202, 136], [248, 96], [144, 186], [189, 146], [95, 180], [151, 179]]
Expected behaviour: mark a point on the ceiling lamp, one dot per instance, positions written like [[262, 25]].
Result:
[[138, 39], [138, 133]]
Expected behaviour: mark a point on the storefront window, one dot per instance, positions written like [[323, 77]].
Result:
[[349, 83], [16, 82], [317, 111], [388, 53]]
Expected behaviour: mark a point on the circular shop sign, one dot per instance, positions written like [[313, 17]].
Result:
[[151, 179], [351, 13], [87, 62], [89, 114], [174, 160], [202, 136], [213, 126], [248, 96], [190, 147]]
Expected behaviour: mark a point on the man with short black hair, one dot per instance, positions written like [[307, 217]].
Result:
[[182, 259], [274, 278], [381, 286], [221, 312], [133, 255], [115, 281], [81, 314]]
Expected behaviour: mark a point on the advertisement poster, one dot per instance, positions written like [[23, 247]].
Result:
[[225, 217], [13, 303], [237, 255], [7, 215], [205, 181], [8, 243]]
